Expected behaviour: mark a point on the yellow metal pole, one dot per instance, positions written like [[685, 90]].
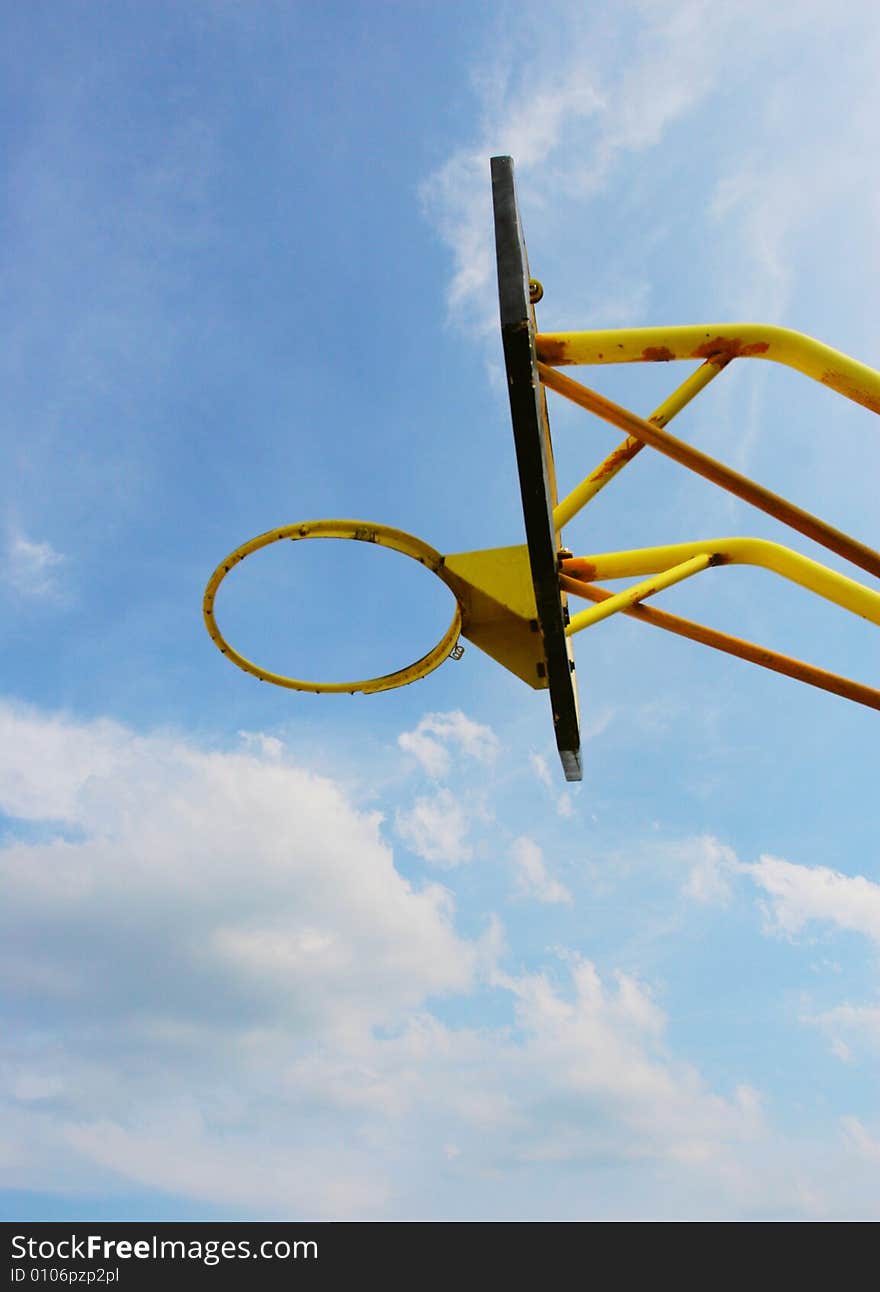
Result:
[[710, 469], [734, 551], [719, 342], [627, 450], [638, 592]]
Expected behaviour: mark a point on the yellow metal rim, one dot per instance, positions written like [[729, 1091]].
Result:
[[358, 531]]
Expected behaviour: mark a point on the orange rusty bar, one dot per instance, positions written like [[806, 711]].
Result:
[[834, 539], [795, 668]]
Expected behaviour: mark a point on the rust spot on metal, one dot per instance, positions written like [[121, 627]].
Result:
[[550, 350], [721, 349], [846, 386], [617, 459], [657, 354], [579, 568]]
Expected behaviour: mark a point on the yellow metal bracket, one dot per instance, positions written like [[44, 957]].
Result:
[[498, 611]]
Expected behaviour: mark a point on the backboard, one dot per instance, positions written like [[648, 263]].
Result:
[[534, 457]]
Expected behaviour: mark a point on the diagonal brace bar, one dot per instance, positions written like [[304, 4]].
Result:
[[638, 592], [627, 450]]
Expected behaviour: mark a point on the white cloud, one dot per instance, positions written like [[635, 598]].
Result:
[[32, 568], [257, 742], [214, 908], [541, 770], [758, 209], [604, 1048], [799, 895], [710, 865], [860, 1138], [176, 1152], [564, 804], [432, 756], [228, 985], [598, 723], [795, 896], [254, 872], [457, 197], [532, 877], [436, 828], [567, 111], [429, 742], [49, 767], [859, 1023]]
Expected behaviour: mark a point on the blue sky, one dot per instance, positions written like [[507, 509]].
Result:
[[274, 955]]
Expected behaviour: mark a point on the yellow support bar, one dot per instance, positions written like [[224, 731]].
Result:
[[638, 592], [718, 342], [628, 448], [734, 551]]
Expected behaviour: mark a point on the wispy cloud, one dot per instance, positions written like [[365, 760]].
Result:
[[441, 737], [33, 569], [711, 865], [567, 113], [857, 1134], [603, 1042], [436, 828], [801, 895], [532, 876], [848, 1025], [563, 800], [792, 896]]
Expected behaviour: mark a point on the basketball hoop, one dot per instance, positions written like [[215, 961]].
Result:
[[512, 602], [358, 531]]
